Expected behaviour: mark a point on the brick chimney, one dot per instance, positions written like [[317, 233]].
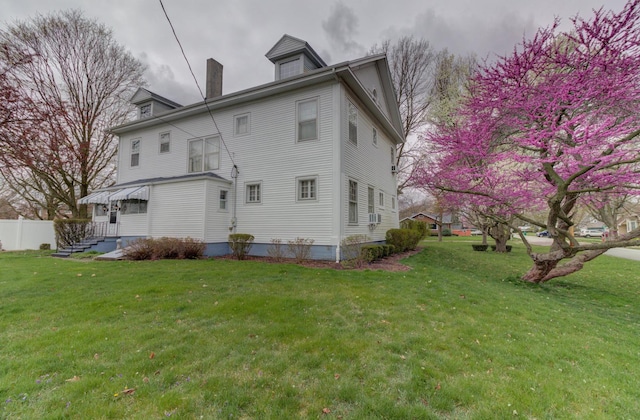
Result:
[[214, 79]]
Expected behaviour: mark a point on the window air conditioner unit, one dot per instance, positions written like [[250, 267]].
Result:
[[394, 169], [375, 218]]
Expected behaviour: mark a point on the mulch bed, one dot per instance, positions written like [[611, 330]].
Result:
[[391, 263]]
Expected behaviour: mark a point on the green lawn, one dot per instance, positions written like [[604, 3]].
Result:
[[456, 337]]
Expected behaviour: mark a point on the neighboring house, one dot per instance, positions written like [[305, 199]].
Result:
[[309, 155], [448, 221], [628, 223]]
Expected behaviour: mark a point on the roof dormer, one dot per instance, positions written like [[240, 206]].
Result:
[[150, 104], [293, 56]]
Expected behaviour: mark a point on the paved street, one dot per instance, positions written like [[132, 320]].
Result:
[[630, 254]]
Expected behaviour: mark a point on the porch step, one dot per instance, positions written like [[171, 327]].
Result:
[[77, 247]]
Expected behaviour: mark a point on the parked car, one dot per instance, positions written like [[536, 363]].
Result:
[[543, 234], [588, 233], [476, 232]]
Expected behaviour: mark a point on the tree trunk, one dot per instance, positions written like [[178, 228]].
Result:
[[545, 266]]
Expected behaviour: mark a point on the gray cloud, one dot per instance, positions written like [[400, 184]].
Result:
[[341, 29]]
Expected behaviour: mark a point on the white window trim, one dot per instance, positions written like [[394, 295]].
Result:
[[299, 181], [350, 105], [371, 199], [246, 192], [131, 153], [317, 134], [381, 199], [160, 142], [226, 200], [349, 201], [235, 124], [150, 105], [300, 69], [203, 140]]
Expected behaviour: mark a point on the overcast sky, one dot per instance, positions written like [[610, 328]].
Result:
[[238, 33]]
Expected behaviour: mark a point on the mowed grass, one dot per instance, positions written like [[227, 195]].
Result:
[[458, 336]]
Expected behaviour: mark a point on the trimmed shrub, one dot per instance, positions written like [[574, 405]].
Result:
[[371, 253], [71, 231], [403, 239], [240, 244], [446, 232], [276, 250], [416, 225], [300, 249], [45, 247], [479, 247]]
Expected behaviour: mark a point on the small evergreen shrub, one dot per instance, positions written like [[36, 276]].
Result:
[[240, 244], [71, 231], [300, 249], [416, 225], [446, 232], [371, 253], [479, 247], [493, 248], [45, 247], [403, 239]]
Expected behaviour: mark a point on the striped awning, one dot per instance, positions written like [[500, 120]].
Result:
[[131, 193], [99, 197]]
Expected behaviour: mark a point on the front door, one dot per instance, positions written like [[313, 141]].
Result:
[[113, 219]]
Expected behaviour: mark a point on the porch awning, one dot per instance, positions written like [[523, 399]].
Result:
[[99, 197], [131, 193]]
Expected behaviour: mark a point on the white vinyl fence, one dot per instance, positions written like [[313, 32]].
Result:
[[26, 234]]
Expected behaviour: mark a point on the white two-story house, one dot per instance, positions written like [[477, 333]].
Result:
[[309, 155]]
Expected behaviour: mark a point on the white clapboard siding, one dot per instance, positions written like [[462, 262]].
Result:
[[217, 221], [134, 225], [178, 210], [370, 79], [369, 165]]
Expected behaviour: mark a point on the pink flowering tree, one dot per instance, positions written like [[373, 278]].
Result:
[[554, 125]]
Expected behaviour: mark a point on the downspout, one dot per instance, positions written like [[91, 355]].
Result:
[[234, 220], [339, 174]]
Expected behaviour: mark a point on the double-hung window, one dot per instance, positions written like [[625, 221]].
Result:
[[307, 120], [241, 125], [352, 115], [381, 198], [135, 153], [223, 199], [254, 192], [165, 142], [204, 154], [307, 189], [353, 202], [370, 203]]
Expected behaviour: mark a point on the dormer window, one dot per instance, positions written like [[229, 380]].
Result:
[[145, 111], [289, 68]]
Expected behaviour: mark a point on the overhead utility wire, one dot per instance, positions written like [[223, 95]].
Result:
[[198, 85]]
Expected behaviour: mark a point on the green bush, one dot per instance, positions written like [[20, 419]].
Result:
[[416, 225], [372, 253], [446, 232], [479, 247], [240, 244], [71, 231], [45, 247], [403, 239]]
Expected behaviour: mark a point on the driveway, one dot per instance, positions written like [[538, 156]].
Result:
[[628, 253]]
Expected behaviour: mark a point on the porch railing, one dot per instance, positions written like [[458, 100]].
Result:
[[104, 229]]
